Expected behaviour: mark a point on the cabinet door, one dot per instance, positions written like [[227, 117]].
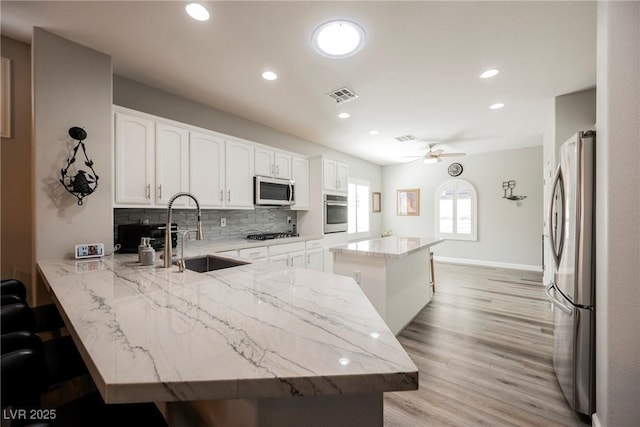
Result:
[[329, 175], [342, 177], [239, 175], [300, 175], [314, 259], [264, 163], [280, 259], [172, 163], [282, 165], [134, 145], [206, 169], [297, 259]]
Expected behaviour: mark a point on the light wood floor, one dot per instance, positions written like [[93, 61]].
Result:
[[483, 347]]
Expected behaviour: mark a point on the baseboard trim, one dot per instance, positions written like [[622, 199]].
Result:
[[483, 263]]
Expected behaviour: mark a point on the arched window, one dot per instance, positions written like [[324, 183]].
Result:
[[457, 210]]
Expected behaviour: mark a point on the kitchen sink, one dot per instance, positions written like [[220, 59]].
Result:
[[210, 263]]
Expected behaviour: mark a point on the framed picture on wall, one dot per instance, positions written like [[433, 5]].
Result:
[[376, 201], [409, 202]]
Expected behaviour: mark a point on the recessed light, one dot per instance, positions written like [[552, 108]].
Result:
[[344, 361], [197, 11], [269, 75], [373, 132], [344, 115], [496, 106], [374, 335], [489, 73], [338, 39]]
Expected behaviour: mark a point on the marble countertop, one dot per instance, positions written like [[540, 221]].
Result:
[[387, 247], [253, 331]]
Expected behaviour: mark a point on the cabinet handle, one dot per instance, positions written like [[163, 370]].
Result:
[[308, 259], [148, 192], [160, 192], [228, 195], [273, 172], [221, 196], [278, 170]]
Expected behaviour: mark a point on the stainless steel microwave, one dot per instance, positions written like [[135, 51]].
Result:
[[273, 191]]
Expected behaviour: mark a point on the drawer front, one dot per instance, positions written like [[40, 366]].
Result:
[[286, 248], [253, 253], [314, 244]]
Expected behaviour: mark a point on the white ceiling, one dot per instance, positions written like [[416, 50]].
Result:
[[417, 74]]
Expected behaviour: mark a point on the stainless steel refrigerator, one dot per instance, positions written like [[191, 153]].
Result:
[[572, 292]]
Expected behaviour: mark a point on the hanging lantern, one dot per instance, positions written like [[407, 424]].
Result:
[[82, 183]]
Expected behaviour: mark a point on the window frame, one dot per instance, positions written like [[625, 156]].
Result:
[[456, 183], [366, 201]]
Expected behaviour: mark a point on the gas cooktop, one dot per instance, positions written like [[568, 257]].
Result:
[[266, 236]]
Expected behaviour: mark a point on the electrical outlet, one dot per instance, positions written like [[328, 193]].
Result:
[[223, 222], [288, 219]]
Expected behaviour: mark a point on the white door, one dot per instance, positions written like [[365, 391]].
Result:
[[172, 163], [134, 153], [239, 175], [300, 175], [329, 175], [342, 177], [282, 165], [264, 164], [207, 169], [297, 259], [314, 259]]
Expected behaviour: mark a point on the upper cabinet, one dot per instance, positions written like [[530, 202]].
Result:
[[335, 176], [156, 158], [134, 160], [272, 163], [300, 175]]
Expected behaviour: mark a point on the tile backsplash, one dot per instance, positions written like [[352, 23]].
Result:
[[239, 222]]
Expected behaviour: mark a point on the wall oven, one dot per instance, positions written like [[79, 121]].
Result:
[[273, 191], [336, 212]]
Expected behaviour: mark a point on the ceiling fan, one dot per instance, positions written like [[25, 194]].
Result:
[[434, 156]]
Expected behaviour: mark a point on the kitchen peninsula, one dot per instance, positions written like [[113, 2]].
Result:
[[258, 344], [392, 271]]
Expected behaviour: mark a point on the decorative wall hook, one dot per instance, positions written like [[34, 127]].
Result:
[[510, 185], [82, 183]]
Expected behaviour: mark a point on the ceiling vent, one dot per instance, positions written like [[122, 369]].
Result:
[[342, 95], [406, 138]]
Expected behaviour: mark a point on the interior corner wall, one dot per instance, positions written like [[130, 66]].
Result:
[[617, 220], [16, 214], [574, 112], [509, 232], [72, 86]]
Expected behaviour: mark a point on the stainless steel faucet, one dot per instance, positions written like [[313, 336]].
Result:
[[168, 231]]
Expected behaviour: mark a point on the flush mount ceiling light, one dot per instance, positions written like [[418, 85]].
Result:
[[373, 132], [431, 160], [197, 11], [344, 115], [496, 106], [489, 73], [338, 39], [269, 75]]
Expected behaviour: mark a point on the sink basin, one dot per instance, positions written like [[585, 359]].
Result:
[[210, 263]]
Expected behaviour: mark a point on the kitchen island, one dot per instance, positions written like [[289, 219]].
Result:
[[257, 344], [392, 271]]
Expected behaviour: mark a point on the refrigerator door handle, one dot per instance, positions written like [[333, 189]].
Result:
[[550, 291], [552, 235]]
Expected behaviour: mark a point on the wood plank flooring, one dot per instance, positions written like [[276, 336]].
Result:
[[484, 350]]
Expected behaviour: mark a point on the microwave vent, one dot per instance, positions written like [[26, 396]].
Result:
[[342, 95]]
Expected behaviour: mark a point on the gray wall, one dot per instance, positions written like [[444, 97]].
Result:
[[138, 96], [617, 219], [72, 87], [508, 232], [17, 214], [573, 112]]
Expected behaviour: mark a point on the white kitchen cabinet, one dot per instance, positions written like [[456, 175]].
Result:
[[207, 169], [238, 175], [300, 176], [280, 259], [171, 163], [259, 253], [288, 254], [272, 163], [335, 176], [314, 259], [134, 160]]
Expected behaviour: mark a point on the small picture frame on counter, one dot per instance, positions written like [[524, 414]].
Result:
[[89, 250]]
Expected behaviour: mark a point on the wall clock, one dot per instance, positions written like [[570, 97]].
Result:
[[455, 169]]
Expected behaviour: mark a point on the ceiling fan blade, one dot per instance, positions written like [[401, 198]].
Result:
[[451, 154], [436, 153], [413, 157]]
